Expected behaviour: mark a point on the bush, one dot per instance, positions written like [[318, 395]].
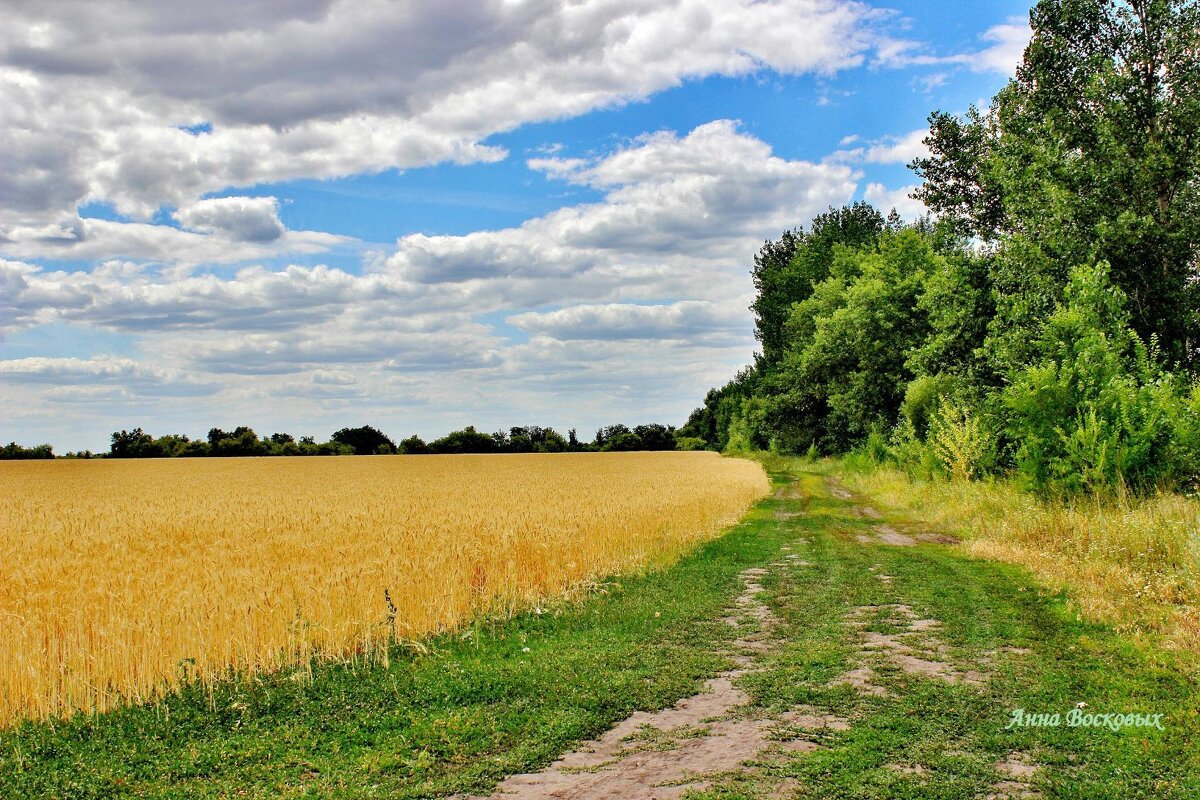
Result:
[[912, 453], [1094, 412], [960, 441]]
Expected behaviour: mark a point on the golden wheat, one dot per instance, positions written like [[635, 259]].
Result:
[[121, 578]]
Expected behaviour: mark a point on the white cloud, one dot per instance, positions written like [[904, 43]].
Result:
[[887, 150], [132, 376], [645, 290], [680, 217], [1006, 54], [1002, 57], [711, 195], [95, 93], [900, 199], [691, 321], [89, 239], [242, 219]]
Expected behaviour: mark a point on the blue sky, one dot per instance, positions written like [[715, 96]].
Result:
[[421, 218]]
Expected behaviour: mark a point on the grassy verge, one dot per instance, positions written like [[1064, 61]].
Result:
[[935, 740], [1134, 563]]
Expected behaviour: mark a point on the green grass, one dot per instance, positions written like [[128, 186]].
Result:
[[478, 706]]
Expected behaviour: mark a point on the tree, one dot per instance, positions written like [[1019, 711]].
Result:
[[414, 446], [845, 370], [15, 452], [131, 444], [785, 271], [364, 441], [1094, 411], [241, 441], [1091, 153], [607, 433], [655, 436], [468, 440]]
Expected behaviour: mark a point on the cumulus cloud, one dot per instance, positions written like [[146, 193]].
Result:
[[221, 236], [678, 219], [887, 150], [692, 321], [1002, 56], [900, 199], [702, 196], [645, 288], [1008, 49], [103, 98], [242, 219], [131, 376]]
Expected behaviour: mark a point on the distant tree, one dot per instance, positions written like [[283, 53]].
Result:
[[690, 443], [468, 440], [414, 446], [15, 452], [194, 449], [241, 441], [365, 441], [282, 438], [132, 444], [655, 436], [603, 435], [535, 439], [623, 442]]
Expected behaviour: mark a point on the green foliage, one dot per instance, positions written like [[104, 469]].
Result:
[[15, 452], [468, 440], [1091, 153], [748, 426], [364, 441], [785, 271], [1094, 411], [846, 366], [711, 420], [970, 339], [960, 441], [912, 453], [923, 396], [957, 303], [414, 446]]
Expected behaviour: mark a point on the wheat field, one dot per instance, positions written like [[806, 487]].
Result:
[[122, 578]]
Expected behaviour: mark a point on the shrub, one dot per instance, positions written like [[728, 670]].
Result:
[[1095, 412], [960, 441]]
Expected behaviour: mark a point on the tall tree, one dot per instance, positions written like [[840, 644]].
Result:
[[785, 270], [1092, 152]]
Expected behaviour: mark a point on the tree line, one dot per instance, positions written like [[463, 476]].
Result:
[[1044, 323], [367, 440]]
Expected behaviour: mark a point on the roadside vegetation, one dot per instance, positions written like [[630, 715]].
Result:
[[1043, 328], [1130, 561], [1023, 367]]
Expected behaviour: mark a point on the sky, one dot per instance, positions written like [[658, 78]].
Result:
[[302, 215]]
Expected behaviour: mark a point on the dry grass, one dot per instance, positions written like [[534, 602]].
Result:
[[122, 577], [1134, 563]]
